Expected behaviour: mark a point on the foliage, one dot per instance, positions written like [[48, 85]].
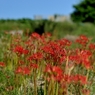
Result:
[[84, 11]]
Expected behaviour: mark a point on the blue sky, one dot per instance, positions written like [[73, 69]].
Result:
[[14, 9]]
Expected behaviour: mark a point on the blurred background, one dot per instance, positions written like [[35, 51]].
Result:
[[62, 18]]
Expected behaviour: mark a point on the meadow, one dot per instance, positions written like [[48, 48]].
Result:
[[58, 29], [44, 65]]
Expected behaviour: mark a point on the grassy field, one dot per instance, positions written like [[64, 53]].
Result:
[[59, 29], [45, 65]]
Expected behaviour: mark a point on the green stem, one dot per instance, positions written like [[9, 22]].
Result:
[[66, 68], [35, 84], [45, 93], [87, 75], [53, 87], [56, 88]]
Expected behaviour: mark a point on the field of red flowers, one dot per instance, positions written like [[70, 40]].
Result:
[[39, 65]]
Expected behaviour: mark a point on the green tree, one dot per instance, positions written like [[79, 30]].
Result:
[[84, 11]]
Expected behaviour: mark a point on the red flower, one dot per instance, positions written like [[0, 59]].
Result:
[[36, 56], [67, 78], [22, 70], [2, 64], [82, 57], [83, 79], [83, 40], [79, 78], [75, 58], [25, 51], [20, 50], [92, 46], [59, 77], [75, 78], [34, 66], [54, 72], [48, 49], [26, 71], [35, 35], [19, 70], [48, 68], [64, 42], [87, 64], [57, 70]]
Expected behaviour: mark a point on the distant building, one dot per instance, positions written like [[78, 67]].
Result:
[[56, 18], [52, 18], [59, 18], [38, 17]]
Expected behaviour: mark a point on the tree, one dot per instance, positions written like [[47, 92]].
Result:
[[84, 11]]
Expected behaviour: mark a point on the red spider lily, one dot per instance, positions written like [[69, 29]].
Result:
[[83, 79], [87, 64], [2, 64], [62, 59], [57, 77], [66, 78], [36, 56], [83, 37], [83, 40], [75, 58], [61, 56], [25, 51], [20, 50], [92, 46], [19, 70], [85, 55], [51, 47], [79, 78], [54, 72], [74, 78], [35, 35], [48, 68], [64, 42], [48, 49], [22, 70], [26, 71], [62, 52], [56, 53], [82, 57], [34, 66], [54, 45], [57, 70]]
